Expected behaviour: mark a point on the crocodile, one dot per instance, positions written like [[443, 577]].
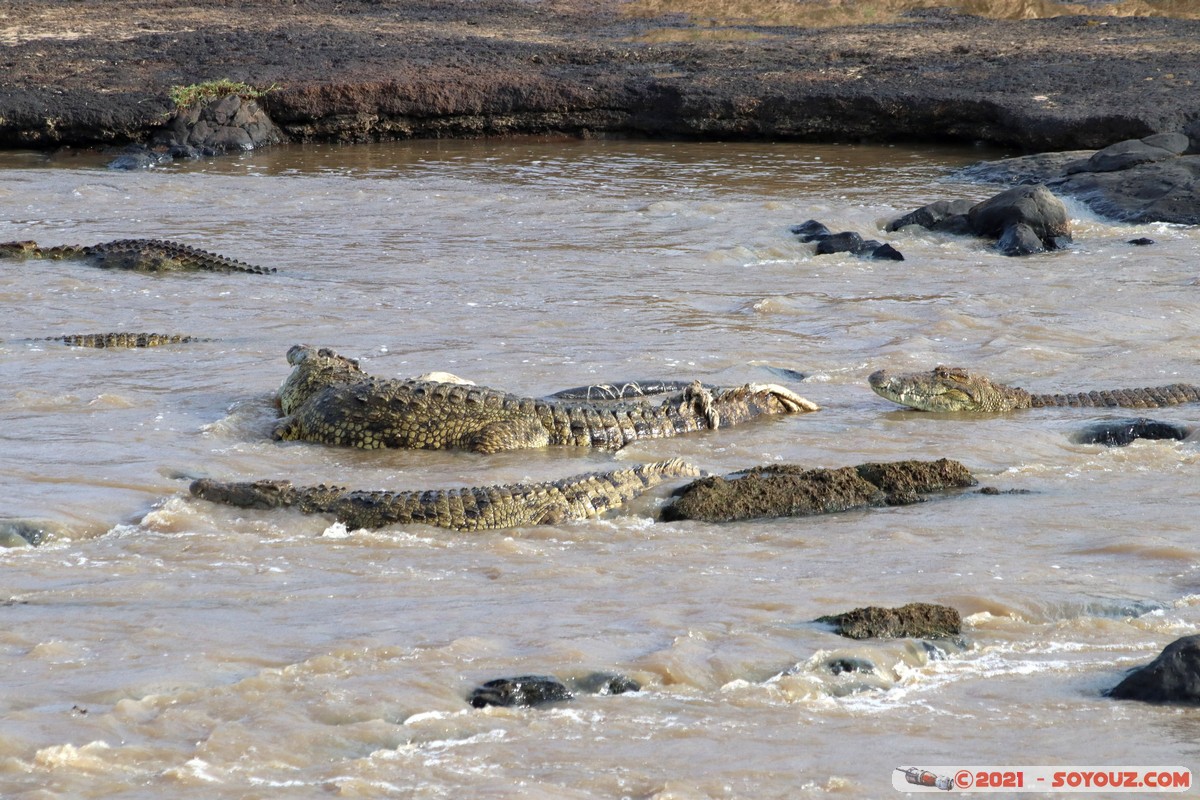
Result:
[[119, 339], [585, 496], [954, 389], [142, 255], [329, 399]]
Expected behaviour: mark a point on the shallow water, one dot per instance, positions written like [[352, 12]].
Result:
[[162, 645]]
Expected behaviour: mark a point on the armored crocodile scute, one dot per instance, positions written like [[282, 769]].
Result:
[[329, 399], [121, 339], [142, 255], [585, 496], [955, 389]]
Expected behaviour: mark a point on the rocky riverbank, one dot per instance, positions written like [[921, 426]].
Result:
[[100, 72]]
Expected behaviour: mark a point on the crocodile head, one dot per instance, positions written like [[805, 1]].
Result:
[[314, 369], [945, 389], [256, 494], [18, 249]]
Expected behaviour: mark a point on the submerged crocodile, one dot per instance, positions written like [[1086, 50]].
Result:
[[142, 255], [329, 399], [584, 496], [119, 339], [954, 389]]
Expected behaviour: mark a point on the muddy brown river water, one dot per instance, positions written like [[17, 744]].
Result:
[[164, 646]]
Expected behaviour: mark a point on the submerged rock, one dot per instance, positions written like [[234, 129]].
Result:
[[948, 216], [525, 690], [1173, 677], [536, 690], [790, 490], [915, 620], [829, 243], [20, 532], [1120, 432]]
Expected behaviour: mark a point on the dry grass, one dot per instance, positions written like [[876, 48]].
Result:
[[827, 13]]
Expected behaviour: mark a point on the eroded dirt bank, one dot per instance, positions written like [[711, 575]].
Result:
[[99, 71]]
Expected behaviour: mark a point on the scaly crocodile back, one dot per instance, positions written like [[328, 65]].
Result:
[[121, 340], [1149, 397], [584, 496], [143, 255], [330, 400]]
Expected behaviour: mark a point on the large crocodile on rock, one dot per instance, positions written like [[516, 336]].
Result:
[[328, 398], [585, 496], [954, 389], [142, 255]]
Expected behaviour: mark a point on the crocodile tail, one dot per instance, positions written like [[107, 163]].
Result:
[[1148, 397], [596, 493], [122, 340]]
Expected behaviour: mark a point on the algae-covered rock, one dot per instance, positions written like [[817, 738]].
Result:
[[915, 620], [790, 490]]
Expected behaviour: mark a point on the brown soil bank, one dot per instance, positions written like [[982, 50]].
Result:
[[99, 71]]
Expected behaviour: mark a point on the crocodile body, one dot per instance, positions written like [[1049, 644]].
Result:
[[142, 255], [119, 340], [954, 389], [584, 496], [329, 399]]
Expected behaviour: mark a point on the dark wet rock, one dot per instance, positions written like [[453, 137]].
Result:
[[935, 216], [535, 690], [885, 252], [811, 231], [1032, 206], [605, 683], [1120, 432], [220, 125], [844, 242], [1141, 241], [1161, 191], [1132, 153], [1152, 179], [849, 664], [1173, 677], [1019, 240], [1023, 220], [915, 620], [992, 490], [829, 243], [790, 490], [525, 690]]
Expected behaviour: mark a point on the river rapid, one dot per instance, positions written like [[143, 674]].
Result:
[[165, 646]]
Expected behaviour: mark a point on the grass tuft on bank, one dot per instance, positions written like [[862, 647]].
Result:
[[188, 96]]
